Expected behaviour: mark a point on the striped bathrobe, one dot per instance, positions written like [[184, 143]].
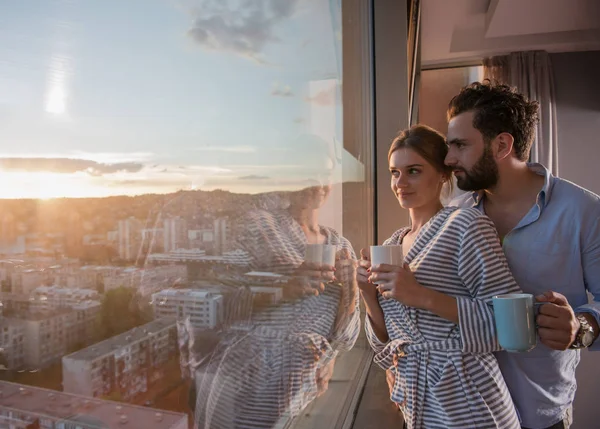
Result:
[[268, 372], [446, 375]]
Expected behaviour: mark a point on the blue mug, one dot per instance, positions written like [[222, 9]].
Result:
[[515, 321]]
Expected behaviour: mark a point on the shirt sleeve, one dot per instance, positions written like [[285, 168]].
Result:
[[591, 275], [483, 269]]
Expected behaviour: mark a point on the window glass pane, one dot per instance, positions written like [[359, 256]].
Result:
[[437, 87], [167, 164]]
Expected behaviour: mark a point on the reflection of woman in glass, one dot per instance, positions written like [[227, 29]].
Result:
[[284, 360], [429, 321]]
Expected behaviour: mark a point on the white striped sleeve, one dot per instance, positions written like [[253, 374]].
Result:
[[375, 343], [377, 346], [347, 324], [347, 330], [483, 269]]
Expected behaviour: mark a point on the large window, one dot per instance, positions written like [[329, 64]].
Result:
[[437, 87], [164, 165]]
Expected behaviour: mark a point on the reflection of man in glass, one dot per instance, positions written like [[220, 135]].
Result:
[[275, 366]]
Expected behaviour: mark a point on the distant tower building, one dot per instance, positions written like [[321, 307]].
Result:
[[129, 231], [8, 232], [221, 235], [74, 235], [175, 234]]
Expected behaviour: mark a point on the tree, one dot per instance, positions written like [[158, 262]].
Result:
[[113, 396], [121, 312], [34, 425]]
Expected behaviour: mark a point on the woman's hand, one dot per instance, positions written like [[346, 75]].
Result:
[[363, 274], [323, 377], [345, 268], [399, 283], [345, 279], [310, 279]]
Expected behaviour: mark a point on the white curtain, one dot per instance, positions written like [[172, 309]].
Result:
[[531, 73]]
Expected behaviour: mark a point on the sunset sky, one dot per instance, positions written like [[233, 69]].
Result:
[[128, 97]]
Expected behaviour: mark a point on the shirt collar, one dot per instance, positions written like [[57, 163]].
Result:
[[543, 197]]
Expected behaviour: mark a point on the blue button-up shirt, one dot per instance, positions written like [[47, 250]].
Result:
[[556, 246]]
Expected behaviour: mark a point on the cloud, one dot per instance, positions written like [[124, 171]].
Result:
[[245, 31], [67, 166], [194, 169], [326, 97], [111, 157], [232, 149], [254, 177], [281, 91]]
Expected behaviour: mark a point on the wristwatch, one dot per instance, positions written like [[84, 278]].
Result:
[[585, 335]]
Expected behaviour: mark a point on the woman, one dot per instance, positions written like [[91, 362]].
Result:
[[430, 321], [275, 364]]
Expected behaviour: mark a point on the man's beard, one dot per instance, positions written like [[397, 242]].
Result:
[[483, 175]]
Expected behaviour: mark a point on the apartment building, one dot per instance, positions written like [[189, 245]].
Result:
[[86, 277], [14, 302], [266, 294], [12, 344], [49, 335], [204, 308], [125, 363], [129, 237], [25, 406], [222, 232], [54, 297], [25, 281], [147, 280], [175, 234]]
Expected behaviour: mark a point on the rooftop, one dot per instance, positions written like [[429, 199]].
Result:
[[58, 290], [263, 274], [187, 293], [87, 304], [65, 407], [33, 316], [125, 339], [235, 257]]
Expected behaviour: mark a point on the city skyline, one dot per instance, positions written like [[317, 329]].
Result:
[[155, 97]]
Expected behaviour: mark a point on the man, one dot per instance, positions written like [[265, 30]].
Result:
[[550, 232]]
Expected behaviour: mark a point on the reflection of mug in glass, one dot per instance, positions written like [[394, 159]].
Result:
[[320, 254], [515, 321], [390, 255]]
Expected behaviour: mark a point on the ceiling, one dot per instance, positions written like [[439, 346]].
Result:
[[456, 31]]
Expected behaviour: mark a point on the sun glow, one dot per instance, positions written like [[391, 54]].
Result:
[[56, 101], [43, 185]]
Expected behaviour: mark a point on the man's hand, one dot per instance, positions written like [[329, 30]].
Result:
[[557, 324]]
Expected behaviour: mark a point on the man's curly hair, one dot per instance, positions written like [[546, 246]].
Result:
[[498, 109]]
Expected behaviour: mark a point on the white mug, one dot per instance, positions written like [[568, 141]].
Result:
[[391, 255]]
